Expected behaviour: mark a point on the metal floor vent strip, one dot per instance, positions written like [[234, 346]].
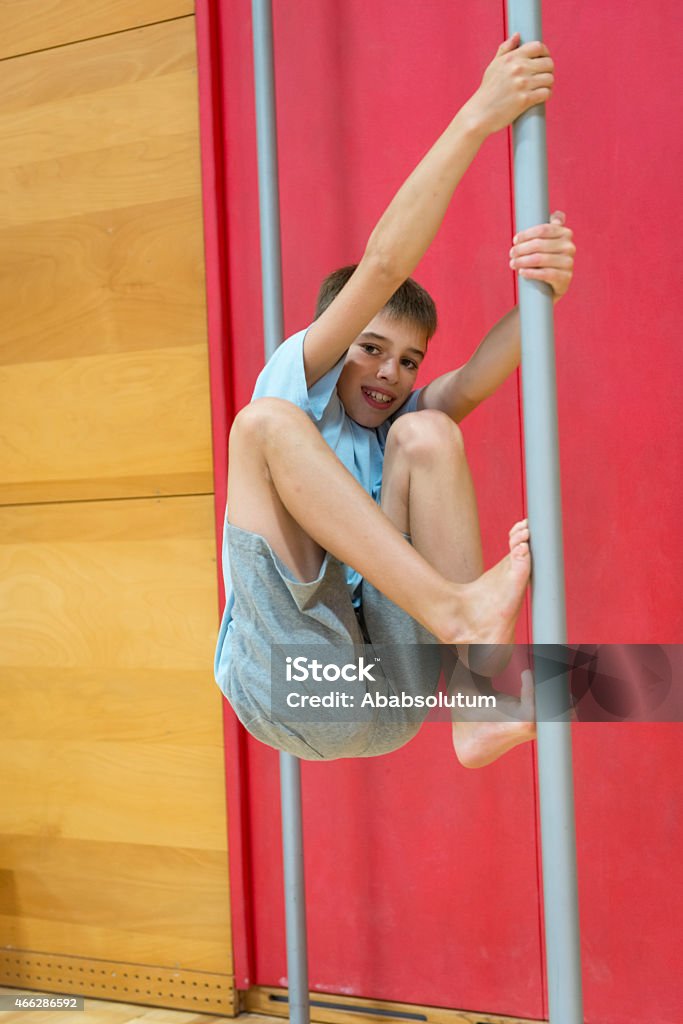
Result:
[[366, 1010]]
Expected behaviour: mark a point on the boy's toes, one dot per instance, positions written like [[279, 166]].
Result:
[[519, 528], [520, 550], [522, 524], [518, 534]]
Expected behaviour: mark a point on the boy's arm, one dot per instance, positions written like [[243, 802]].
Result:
[[519, 77], [544, 253], [460, 391]]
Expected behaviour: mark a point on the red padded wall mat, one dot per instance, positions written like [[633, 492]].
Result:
[[422, 878]]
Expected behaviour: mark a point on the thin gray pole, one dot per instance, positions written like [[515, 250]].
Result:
[[295, 899], [560, 894], [268, 192], [271, 273]]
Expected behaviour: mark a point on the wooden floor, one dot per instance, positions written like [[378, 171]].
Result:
[[98, 1011]]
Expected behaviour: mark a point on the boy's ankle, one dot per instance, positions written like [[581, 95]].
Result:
[[449, 622]]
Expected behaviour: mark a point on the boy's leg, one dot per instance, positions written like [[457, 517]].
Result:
[[427, 492], [285, 483]]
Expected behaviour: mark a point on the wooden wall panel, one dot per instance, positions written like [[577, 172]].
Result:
[[112, 826], [109, 178], [101, 254], [30, 25], [113, 821], [150, 436], [103, 63], [129, 920], [103, 118], [102, 283]]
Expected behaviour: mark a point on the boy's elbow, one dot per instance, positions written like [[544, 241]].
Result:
[[469, 393], [383, 263], [451, 395]]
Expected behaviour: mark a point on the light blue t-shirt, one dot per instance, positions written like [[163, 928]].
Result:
[[360, 449]]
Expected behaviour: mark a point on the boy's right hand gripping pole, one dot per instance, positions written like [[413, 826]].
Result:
[[563, 956]]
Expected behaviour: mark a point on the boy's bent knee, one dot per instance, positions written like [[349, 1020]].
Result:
[[426, 433], [255, 420]]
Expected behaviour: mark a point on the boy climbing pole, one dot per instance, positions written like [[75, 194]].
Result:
[[351, 515]]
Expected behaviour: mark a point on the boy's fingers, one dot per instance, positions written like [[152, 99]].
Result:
[[558, 217], [559, 280], [527, 678], [534, 49], [509, 44], [543, 80], [528, 693], [543, 66], [551, 230], [539, 260], [562, 245], [538, 96]]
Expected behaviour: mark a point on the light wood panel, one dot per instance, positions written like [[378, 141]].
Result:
[[112, 177], [101, 271], [95, 419], [115, 114], [113, 859], [30, 25], [113, 816], [103, 63]]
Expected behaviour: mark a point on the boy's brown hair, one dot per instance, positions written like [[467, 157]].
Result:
[[409, 302]]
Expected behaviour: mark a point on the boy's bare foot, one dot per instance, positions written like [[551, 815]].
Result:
[[487, 660], [493, 601], [480, 743]]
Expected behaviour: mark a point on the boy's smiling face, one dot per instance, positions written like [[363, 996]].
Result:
[[380, 369]]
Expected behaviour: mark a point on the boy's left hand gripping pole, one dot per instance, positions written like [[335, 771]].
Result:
[[271, 272]]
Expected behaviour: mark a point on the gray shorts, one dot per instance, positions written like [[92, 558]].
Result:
[[272, 608]]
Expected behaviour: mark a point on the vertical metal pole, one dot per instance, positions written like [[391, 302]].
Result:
[[271, 272], [563, 955], [268, 193], [295, 898]]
